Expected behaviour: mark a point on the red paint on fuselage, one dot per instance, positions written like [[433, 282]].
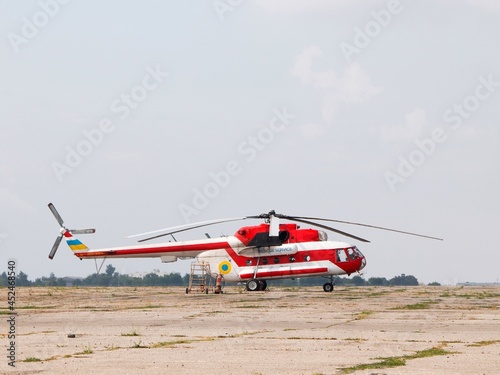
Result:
[[301, 258], [246, 234], [286, 273]]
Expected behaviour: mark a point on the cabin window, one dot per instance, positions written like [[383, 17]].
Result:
[[341, 255], [249, 262], [307, 258], [292, 259], [276, 260], [264, 261]]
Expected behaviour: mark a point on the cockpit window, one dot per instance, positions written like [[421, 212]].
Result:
[[323, 236], [356, 250], [350, 253]]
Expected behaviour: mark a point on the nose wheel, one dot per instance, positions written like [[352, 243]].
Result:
[[328, 287]]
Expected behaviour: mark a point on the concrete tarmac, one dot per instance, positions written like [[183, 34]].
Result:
[[163, 330]]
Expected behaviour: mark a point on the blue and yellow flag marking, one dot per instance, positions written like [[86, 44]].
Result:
[[224, 267], [75, 244]]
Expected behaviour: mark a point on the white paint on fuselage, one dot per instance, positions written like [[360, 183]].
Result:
[[216, 257]]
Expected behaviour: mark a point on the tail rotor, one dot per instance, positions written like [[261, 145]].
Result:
[[63, 230]]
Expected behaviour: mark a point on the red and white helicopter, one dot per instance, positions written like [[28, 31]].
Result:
[[252, 255]]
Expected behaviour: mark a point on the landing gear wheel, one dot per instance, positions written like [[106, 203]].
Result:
[[328, 287], [253, 285], [262, 285]]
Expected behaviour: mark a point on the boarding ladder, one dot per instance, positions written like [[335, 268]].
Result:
[[199, 280]]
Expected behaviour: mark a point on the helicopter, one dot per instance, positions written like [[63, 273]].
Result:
[[254, 254]]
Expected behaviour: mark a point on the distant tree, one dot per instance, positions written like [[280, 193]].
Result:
[[150, 279], [434, 283], [110, 270], [339, 281], [378, 281], [406, 280], [52, 280], [358, 281], [174, 279], [22, 279]]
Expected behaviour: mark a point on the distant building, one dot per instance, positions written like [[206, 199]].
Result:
[[155, 271], [473, 283]]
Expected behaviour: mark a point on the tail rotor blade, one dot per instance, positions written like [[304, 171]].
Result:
[[56, 214], [82, 231], [54, 248]]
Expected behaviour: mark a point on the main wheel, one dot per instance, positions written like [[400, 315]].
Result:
[[253, 285], [328, 287], [262, 285]]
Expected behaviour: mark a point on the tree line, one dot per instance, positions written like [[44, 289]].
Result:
[[112, 278]]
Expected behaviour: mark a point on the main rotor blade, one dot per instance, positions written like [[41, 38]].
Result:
[[55, 246], [56, 214], [82, 231], [182, 228], [365, 225], [301, 220]]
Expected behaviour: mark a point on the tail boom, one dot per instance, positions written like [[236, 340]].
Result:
[[184, 249]]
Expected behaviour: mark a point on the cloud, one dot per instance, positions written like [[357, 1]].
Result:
[[289, 7], [354, 85], [412, 127], [351, 87], [123, 156], [293, 7], [488, 5], [302, 68], [311, 131], [9, 199]]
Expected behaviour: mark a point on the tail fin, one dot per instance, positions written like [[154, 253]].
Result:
[[74, 243]]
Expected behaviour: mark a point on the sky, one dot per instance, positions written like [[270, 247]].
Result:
[[132, 116]]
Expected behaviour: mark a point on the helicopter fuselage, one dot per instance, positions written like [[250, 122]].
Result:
[[252, 254], [299, 253]]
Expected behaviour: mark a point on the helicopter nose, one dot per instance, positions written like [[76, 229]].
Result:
[[363, 264]]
